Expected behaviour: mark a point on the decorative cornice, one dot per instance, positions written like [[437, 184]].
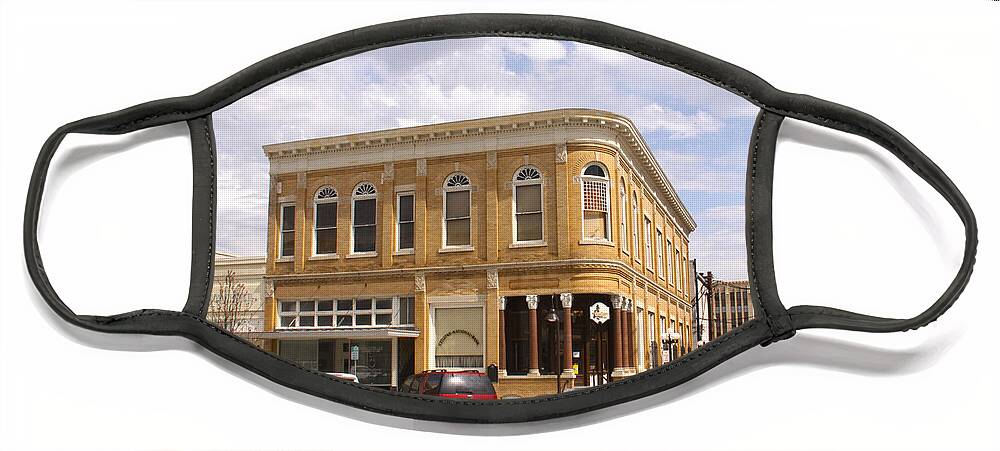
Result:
[[624, 129]]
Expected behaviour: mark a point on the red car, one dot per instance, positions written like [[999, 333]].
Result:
[[468, 384]]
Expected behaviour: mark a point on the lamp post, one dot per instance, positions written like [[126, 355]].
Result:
[[669, 338]]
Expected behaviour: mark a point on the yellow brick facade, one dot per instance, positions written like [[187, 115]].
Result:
[[494, 268]]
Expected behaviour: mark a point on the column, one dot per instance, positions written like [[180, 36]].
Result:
[[616, 322], [532, 301], [567, 305], [421, 313], [492, 207], [387, 206], [628, 341], [420, 215], [561, 181], [494, 326], [301, 200], [502, 364]]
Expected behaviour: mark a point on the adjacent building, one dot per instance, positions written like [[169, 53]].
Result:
[[730, 307], [548, 244], [238, 294]]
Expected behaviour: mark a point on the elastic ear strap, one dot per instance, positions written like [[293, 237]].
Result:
[[138, 321], [853, 121]]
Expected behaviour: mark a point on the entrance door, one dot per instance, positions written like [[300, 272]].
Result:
[[595, 353]]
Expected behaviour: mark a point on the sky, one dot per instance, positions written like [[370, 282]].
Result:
[[698, 132]]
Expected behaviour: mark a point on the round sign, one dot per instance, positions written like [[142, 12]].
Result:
[[599, 312]]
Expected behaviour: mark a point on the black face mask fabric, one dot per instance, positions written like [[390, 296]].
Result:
[[512, 348]]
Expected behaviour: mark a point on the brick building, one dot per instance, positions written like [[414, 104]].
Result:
[[483, 242], [731, 306]]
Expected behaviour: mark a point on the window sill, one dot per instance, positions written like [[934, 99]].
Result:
[[404, 252], [520, 244], [598, 242], [445, 250], [325, 257], [284, 260], [362, 255]]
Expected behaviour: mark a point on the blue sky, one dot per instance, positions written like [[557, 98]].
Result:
[[698, 132]]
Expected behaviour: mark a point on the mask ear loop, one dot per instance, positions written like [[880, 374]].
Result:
[[855, 122], [147, 321]]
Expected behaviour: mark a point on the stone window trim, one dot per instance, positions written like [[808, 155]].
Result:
[[363, 191], [456, 182], [284, 254], [527, 175], [595, 189]]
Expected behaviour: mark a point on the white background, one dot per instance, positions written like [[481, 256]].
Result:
[[853, 229]]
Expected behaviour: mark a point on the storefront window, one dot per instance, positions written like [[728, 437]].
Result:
[[458, 337]]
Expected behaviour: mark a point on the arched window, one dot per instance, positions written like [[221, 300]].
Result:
[[635, 226], [325, 221], [528, 205], [363, 212], [457, 211], [594, 186], [623, 215]]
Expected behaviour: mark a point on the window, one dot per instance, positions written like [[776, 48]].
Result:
[[406, 312], [596, 225], [364, 229], [339, 313], [659, 253], [325, 221], [641, 335], [457, 211], [648, 231], [623, 216], [528, 205], [287, 231], [404, 221], [635, 227], [670, 263], [677, 257]]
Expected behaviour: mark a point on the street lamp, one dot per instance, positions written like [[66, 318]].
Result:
[[669, 338]]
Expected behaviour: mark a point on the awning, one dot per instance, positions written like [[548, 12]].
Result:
[[320, 333]]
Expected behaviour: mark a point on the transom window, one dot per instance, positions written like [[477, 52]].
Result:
[[325, 229], [363, 230], [457, 211], [287, 245], [528, 205], [594, 186], [337, 313]]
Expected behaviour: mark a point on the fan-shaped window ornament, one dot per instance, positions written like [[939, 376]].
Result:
[[326, 192], [527, 173], [594, 170], [457, 180], [365, 189], [594, 188]]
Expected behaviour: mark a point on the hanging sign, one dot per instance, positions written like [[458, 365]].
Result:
[[599, 312]]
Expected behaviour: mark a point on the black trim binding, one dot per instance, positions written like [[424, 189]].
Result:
[[776, 324]]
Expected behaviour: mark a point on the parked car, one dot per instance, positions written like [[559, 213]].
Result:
[[468, 384], [347, 377]]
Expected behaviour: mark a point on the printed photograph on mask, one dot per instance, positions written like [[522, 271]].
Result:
[[483, 218]]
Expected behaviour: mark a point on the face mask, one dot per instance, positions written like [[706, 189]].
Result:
[[486, 218]]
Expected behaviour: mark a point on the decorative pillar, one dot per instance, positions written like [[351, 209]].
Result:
[[421, 314], [628, 344], [567, 305], [616, 322], [532, 301], [561, 182], [492, 207], [494, 318], [420, 214], [502, 335], [387, 207]]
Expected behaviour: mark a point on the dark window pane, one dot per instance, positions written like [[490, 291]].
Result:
[[307, 306], [325, 306], [364, 304], [405, 208], [363, 320], [345, 304], [288, 217], [406, 310], [383, 303], [306, 321], [433, 384], [457, 204], [344, 321], [364, 212], [594, 170], [287, 244], [324, 321], [364, 239], [406, 236], [383, 319], [326, 241], [529, 227], [287, 321], [326, 215], [529, 198], [288, 306], [458, 231]]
